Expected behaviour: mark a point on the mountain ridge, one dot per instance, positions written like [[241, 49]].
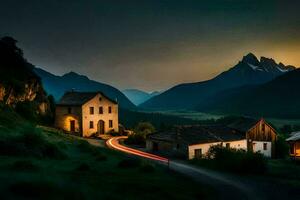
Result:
[[58, 85], [189, 95]]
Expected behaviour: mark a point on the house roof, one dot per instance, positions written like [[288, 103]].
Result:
[[294, 137], [199, 134], [243, 124], [79, 98]]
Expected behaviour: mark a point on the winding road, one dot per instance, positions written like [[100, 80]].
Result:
[[227, 186]]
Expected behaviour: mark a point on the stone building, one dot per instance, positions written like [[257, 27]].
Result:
[[87, 114], [194, 141]]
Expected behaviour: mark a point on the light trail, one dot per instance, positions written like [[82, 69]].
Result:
[[114, 144]]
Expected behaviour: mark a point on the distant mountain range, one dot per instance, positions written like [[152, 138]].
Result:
[[58, 85], [277, 98], [138, 96], [249, 72]]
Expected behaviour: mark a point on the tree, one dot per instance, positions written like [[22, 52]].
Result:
[[144, 128]]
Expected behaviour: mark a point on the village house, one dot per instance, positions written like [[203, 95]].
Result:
[[194, 141], [294, 143], [87, 114]]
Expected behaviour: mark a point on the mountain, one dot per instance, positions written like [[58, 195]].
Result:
[[248, 71], [277, 98], [138, 96], [58, 85]]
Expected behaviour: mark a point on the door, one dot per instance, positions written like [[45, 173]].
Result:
[[72, 125], [100, 127]]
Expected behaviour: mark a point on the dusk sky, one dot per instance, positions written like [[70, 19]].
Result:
[[151, 45]]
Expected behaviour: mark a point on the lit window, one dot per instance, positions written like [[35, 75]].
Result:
[[101, 110], [91, 110], [69, 110], [109, 109], [91, 124], [265, 146], [110, 123]]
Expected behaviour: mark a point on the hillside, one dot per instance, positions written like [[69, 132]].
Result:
[[277, 98], [249, 71], [44, 163], [20, 88], [138, 96], [58, 85]]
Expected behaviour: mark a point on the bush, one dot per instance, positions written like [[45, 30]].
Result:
[[147, 168], [101, 157], [136, 139], [235, 160], [30, 142], [281, 147], [129, 163], [24, 165], [83, 167], [27, 109]]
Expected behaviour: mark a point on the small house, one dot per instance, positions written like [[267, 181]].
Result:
[[194, 141], [87, 113], [294, 143]]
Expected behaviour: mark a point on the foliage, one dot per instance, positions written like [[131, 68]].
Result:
[[27, 110], [129, 163], [281, 147], [24, 165], [233, 160], [140, 133], [29, 142]]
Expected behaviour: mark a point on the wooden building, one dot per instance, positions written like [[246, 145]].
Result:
[[294, 143], [87, 114], [195, 141]]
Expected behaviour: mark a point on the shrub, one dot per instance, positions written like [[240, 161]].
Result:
[[101, 157], [235, 160], [147, 168], [136, 138], [83, 167], [24, 165], [27, 109], [281, 147], [129, 163]]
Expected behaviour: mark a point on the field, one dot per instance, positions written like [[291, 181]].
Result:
[[208, 116], [46, 163]]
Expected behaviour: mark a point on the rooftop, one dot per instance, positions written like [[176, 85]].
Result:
[[79, 98]]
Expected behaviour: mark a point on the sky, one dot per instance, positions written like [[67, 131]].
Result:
[[151, 45]]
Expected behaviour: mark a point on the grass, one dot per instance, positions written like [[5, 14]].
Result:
[[85, 171]]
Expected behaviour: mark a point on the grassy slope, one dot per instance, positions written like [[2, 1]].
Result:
[[86, 172]]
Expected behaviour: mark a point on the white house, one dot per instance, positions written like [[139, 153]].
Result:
[[195, 141]]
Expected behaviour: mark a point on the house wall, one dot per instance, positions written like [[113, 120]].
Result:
[[63, 118], [87, 117], [257, 134], [240, 144], [294, 148], [167, 148], [258, 146]]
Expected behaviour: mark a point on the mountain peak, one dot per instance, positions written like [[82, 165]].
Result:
[[72, 74], [250, 58]]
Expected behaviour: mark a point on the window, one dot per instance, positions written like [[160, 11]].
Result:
[[198, 153], [110, 123], [265, 146], [91, 124], [101, 110], [69, 110], [177, 146], [100, 98], [227, 145], [109, 109], [91, 110]]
